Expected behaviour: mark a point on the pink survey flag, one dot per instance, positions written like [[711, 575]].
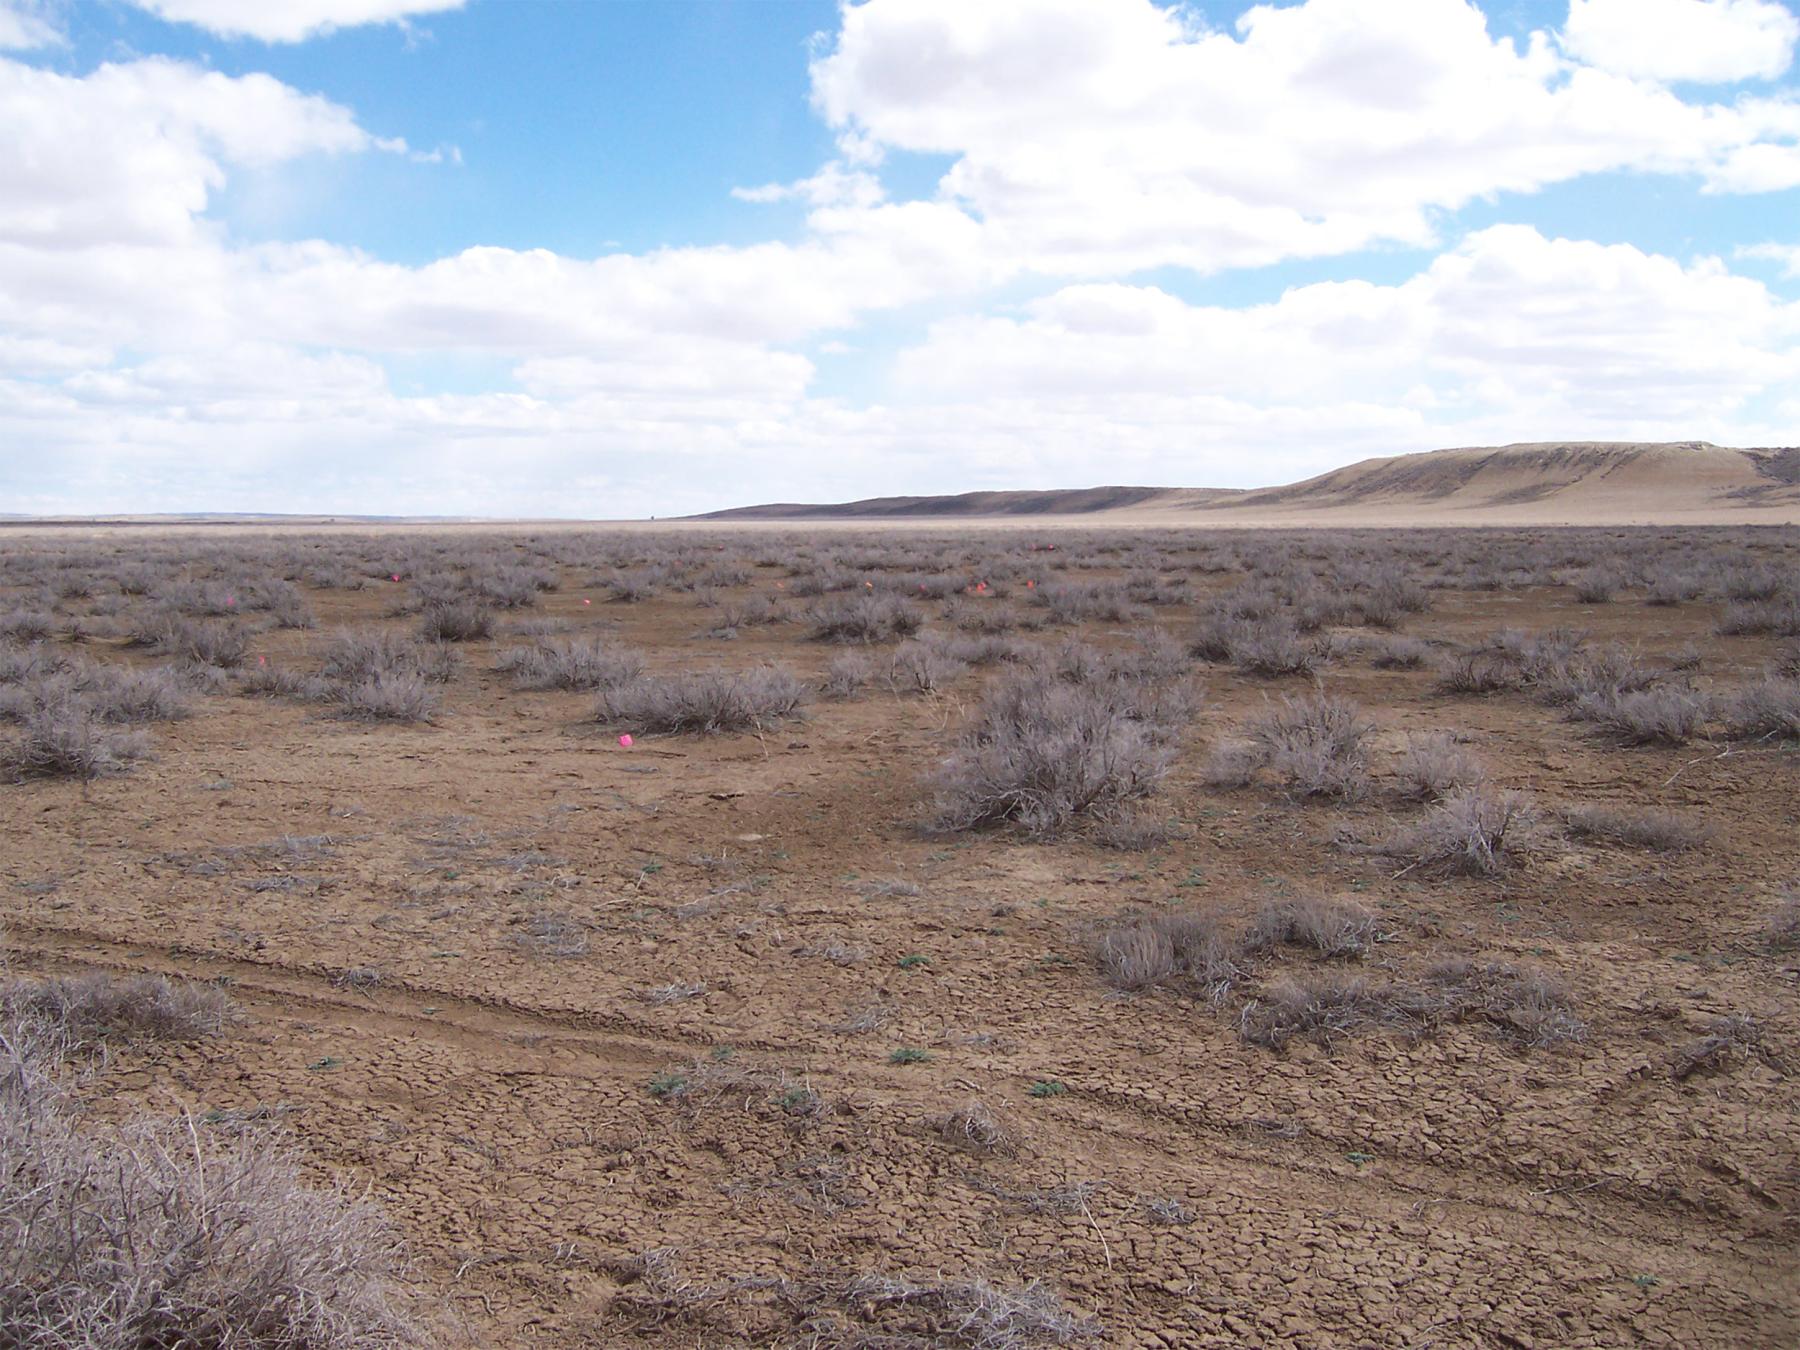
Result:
[[625, 741]]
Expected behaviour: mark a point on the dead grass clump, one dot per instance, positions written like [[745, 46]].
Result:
[[660, 996], [457, 621], [1396, 653], [100, 1007], [1327, 1005], [1727, 1040], [1766, 709], [560, 936], [865, 618], [65, 740], [1331, 928], [1314, 746], [26, 625], [975, 1128], [158, 1235], [1433, 766], [1131, 830], [1041, 754], [581, 664], [726, 1079], [1782, 931], [705, 702], [836, 951], [869, 1311], [1472, 832], [265, 681], [1659, 831], [1527, 1006], [1183, 951], [973, 1313]]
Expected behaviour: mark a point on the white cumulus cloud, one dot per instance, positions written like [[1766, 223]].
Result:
[[289, 20], [132, 152], [26, 24], [1707, 41], [1103, 136]]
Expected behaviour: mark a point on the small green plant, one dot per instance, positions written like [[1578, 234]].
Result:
[[799, 1101], [1360, 1158], [666, 1085], [1645, 1281], [913, 962], [907, 1054], [1047, 1087]]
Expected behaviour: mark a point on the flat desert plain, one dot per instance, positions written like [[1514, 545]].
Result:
[[932, 938]]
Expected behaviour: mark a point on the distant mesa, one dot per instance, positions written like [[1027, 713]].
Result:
[[1063, 502], [1535, 483]]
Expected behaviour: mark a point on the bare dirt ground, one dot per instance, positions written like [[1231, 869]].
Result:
[[622, 1038]]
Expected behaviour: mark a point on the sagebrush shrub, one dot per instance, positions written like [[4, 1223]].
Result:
[[865, 618], [705, 702], [584, 664], [159, 1234], [106, 1007], [921, 668], [201, 642], [1433, 766], [351, 658], [1474, 832], [457, 621], [1664, 716], [1041, 753], [64, 739], [387, 696], [1314, 746], [1775, 617], [845, 676], [1766, 709]]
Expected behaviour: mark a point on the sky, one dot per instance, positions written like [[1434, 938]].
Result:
[[610, 259]]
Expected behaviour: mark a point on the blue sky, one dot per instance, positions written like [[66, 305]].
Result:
[[632, 257]]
